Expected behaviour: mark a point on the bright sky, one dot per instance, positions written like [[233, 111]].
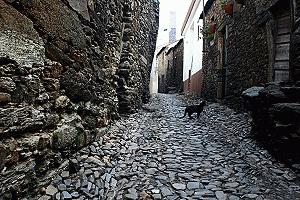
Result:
[[166, 6]]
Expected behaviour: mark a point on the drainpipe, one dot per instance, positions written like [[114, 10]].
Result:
[[204, 40]]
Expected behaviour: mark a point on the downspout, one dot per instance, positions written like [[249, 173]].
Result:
[[204, 23]]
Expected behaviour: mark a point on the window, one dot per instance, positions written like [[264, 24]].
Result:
[[192, 26], [199, 32]]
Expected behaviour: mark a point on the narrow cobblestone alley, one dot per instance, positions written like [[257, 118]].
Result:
[[155, 155]]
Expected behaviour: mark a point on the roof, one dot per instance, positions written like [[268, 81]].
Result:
[[169, 47], [161, 50], [207, 7], [188, 15], [173, 45]]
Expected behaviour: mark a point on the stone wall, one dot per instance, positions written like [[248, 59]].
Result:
[[170, 68], [250, 50], [67, 69], [275, 107], [275, 111], [247, 53], [139, 35], [162, 64], [178, 66], [193, 85]]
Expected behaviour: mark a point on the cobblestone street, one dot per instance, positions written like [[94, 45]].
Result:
[[155, 155]]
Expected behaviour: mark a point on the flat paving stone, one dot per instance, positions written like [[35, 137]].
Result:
[[51, 190], [233, 197], [205, 193], [166, 191], [193, 185], [156, 196], [131, 196], [66, 195], [179, 186], [157, 155], [220, 195], [232, 185]]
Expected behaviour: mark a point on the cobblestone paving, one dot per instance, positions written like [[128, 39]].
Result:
[[156, 155]]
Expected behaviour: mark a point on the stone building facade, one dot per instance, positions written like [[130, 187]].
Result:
[[67, 69], [170, 68], [250, 47], [275, 107], [257, 47]]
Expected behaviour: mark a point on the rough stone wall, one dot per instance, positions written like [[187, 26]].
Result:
[[177, 79], [275, 111], [139, 35], [67, 69], [162, 64], [247, 52], [275, 107], [209, 89]]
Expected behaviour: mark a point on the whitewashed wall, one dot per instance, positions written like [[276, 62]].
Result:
[[193, 45]]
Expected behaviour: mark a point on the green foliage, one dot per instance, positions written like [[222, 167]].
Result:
[[224, 2], [207, 34], [210, 37]]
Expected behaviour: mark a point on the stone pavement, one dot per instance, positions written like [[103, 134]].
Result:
[[155, 155]]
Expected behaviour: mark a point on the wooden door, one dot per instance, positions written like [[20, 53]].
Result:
[[282, 47]]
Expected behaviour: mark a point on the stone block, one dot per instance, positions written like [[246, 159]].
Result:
[[77, 86], [19, 40], [62, 102], [63, 23], [7, 84], [293, 93], [69, 134], [3, 155], [286, 112], [81, 7], [252, 92], [5, 98], [25, 119], [273, 94]]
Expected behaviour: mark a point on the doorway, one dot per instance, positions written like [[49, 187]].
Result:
[[281, 68]]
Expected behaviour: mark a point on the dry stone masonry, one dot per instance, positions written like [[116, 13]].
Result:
[[247, 50], [67, 69], [275, 111]]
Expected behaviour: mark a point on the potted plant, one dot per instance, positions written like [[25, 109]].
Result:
[[208, 32], [212, 27], [210, 37], [227, 5]]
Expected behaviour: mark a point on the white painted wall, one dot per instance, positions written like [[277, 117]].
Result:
[[153, 86], [193, 46]]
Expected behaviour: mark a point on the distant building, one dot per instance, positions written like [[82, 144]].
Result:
[[166, 36], [170, 68], [193, 46], [172, 27]]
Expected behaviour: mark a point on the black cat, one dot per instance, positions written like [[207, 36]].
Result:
[[194, 109]]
